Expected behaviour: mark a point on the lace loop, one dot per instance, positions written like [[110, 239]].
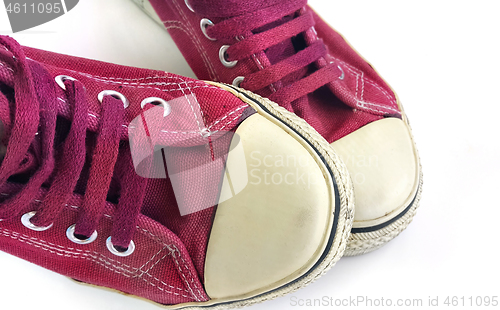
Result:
[[230, 28], [129, 206], [73, 158], [306, 85], [26, 117], [45, 98], [257, 31], [262, 41], [102, 166], [33, 130], [276, 72]]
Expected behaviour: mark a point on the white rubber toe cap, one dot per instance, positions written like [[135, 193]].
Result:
[[275, 228], [383, 165]]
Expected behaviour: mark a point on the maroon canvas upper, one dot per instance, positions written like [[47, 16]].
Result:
[[285, 52], [68, 157]]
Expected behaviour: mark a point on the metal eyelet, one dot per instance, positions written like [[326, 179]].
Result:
[[188, 5], [115, 94], [204, 24], [70, 233], [341, 70], [237, 81], [222, 57], [61, 78], [159, 102], [113, 250], [25, 219]]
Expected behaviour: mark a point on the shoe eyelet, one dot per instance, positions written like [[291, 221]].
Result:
[[159, 102], [61, 78], [70, 233], [113, 250], [341, 77], [25, 219], [188, 5], [114, 94], [204, 24], [237, 81], [222, 57]]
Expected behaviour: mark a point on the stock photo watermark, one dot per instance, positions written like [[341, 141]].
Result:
[[370, 302], [280, 170], [26, 14]]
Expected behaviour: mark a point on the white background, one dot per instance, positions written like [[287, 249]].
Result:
[[442, 57]]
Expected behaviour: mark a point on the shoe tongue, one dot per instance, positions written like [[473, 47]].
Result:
[[228, 8]]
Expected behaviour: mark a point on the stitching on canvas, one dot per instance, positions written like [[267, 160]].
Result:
[[183, 274], [215, 123], [98, 77], [186, 281], [81, 252], [142, 85], [364, 103], [371, 109], [124, 81], [357, 86], [199, 106], [136, 85], [180, 88], [361, 102], [227, 115], [204, 55], [5, 66], [356, 71], [178, 132], [381, 90], [192, 108], [40, 244], [176, 249], [157, 262], [362, 86], [165, 284], [158, 240], [45, 247], [195, 38], [232, 120], [171, 252]]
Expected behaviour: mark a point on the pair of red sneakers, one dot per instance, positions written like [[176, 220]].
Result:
[[204, 194]]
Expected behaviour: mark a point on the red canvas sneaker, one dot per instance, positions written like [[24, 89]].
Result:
[[282, 50], [110, 175]]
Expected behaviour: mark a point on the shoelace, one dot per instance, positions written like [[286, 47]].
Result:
[[36, 115], [242, 26]]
